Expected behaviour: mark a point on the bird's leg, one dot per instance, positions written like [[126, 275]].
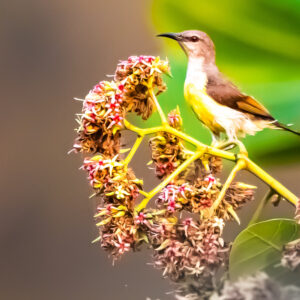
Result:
[[242, 148], [218, 143], [230, 144], [214, 140]]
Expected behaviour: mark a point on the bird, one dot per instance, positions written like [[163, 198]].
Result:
[[215, 100]]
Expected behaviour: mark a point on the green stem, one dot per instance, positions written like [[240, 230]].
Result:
[[261, 206], [239, 166], [133, 149], [166, 128], [272, 182], [158, 107], [250, 166]]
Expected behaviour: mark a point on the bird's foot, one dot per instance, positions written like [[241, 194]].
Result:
[[228, 145]]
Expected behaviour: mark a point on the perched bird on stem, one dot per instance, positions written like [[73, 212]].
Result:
[[216, 101]]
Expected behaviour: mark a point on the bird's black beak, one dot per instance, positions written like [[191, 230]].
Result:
[[173, 36], [177, 37]]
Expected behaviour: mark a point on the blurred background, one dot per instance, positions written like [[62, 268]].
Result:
[[52, 51]]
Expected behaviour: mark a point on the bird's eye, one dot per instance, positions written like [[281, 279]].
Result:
[[194, 38]]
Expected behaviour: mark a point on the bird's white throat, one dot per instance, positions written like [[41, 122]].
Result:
[[195, 73]]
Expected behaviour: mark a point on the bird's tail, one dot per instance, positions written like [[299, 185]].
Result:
[[285, 127]]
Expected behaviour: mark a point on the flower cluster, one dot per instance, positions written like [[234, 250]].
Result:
[[291, 255], [119, 189], [183, 248], [122, 229], [102, 117], [258, 286], [197, 197], [189, 248], [167, 149], [200, 288], [107, 103], [168, 152], [99, 132], [192, 198], [237, 195], [138, 76]]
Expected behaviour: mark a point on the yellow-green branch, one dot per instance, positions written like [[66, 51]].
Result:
[[261, 206], [160, 111], [272, 182], [166, 128], [242, 160], [238, 166], [157, 189], [134, 148]]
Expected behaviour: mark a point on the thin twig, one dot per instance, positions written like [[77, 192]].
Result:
[[157, 189], [261, 206], [239, 166], [133, 149]]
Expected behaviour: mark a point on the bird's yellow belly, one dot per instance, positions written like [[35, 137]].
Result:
[[204, 107]]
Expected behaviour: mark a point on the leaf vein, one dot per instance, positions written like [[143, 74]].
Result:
[[265, 241]]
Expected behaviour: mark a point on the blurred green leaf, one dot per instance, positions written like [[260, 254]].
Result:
[[259, 248], [257, 44]]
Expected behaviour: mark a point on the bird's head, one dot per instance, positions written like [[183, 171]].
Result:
[[195, 43]]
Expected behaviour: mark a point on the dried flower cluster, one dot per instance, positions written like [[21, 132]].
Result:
[[291, 251], [256, 287], [184, 247], [106, 105], [291, 255], [168, 152], [189, 248], [103, 113], [200, 195], [138, 76]]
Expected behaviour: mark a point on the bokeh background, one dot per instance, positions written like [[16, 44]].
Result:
[[52, 51]]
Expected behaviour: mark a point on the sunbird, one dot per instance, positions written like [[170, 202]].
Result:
[[215, 100]]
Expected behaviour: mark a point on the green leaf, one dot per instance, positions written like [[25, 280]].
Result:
[[259, 248]]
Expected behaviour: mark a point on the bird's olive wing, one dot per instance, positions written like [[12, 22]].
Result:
[[226, 93]]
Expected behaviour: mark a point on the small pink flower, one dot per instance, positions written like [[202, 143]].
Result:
[[171, 192], [99, 165], [173, 118], [123, 247], [98, 88], [91, 116], [108, 208], [118, 98], [211, 180], [116, 120], [140, 218], [172, 205], [150, 59], [184, 188], [187, 223], [112, 107], [141, 59], [121, 87]]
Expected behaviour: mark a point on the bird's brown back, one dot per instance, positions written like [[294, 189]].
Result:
[[226, 93]]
